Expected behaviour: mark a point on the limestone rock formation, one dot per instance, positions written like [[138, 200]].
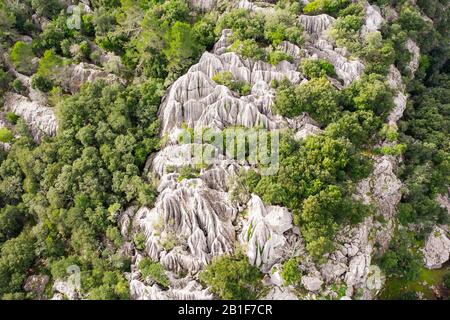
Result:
[[311, 283], [40, 118], [262, 234], [190, 291], [437, 248], [73, 76]]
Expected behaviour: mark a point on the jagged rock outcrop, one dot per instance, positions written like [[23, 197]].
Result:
[[319, 46], [190, 291], [36, 284], [414, 50], [196, 100], [66, 289], [73, 76], [263, 233], [195, 219], [312, 283], [373, 19], [40, 118], [437, 248]]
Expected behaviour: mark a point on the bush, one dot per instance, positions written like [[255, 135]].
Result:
[[6, 135], [283, 26], [155, 271], [188, 172], [447, 280], [371, 92], [21, 56], [243, 23], [248, 49], [18, 87], [291, 273], [275, 57], [232, 278], [331, 7], [12, 117], [49, 64], [317, 97], [401, 260], [227, 79], [41, 83], [139, 241], [316, 68]]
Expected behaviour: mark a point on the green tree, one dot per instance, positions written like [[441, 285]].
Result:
[[21, 56], [6, 135], [232, 278]]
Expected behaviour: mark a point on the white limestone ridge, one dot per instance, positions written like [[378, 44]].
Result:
[[40, 118]]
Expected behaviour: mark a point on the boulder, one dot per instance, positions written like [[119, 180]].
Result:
[[313, 284], [437, 249]]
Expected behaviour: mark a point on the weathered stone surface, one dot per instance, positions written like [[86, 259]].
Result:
[[73, 76], [312, 283], [280, 293], [36, 284], [40, 118], [414, 49], [190, 291], [437, 249], [373, 19], [66, 289], [263, 233]]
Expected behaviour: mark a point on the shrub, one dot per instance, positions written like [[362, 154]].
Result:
[[21, 56], [155, 271], [6, 135], [290, 272], [232, 278], [248, 49], [188, 172], [227, 79], [275, 57], [317, 97], [283, 26], [139, 241], [447, 280], [41, 83], [316, 68], [12, 117]]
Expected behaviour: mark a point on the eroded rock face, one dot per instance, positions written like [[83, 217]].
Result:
[[40, 118], [312, 283], [373, 19], [190, 291], [196, 100], [36, 284], [437, 249], [318, 45], [414, 49], [263, 232], [73, 76], [203, 5]]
